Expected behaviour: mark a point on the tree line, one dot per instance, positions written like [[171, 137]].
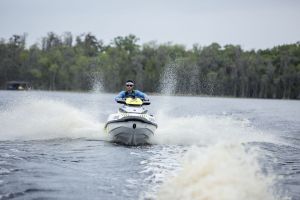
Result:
[[67, 62]]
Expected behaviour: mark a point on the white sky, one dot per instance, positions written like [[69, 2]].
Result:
[[257, 24]]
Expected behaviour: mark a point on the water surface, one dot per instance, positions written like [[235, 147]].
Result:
[[52, 146]]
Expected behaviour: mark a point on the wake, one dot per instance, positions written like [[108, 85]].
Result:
[[37, 119]]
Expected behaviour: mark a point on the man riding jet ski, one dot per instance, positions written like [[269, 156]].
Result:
[[130, 92], [132, 125]]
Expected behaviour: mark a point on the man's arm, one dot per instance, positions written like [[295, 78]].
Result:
[[121, 95], [141, 95]]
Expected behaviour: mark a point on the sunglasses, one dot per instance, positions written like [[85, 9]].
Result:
[[129, 85]]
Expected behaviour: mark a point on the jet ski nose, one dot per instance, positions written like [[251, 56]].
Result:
[[132, 125]]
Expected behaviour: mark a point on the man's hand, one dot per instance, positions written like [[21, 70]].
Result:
[[120, 100]]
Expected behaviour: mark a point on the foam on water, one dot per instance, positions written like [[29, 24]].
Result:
[[162, 163], [34, 119], [218, 164], [217, 172], [205, 130], [202, 129]]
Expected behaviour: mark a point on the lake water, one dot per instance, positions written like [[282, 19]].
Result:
[[52, 146]]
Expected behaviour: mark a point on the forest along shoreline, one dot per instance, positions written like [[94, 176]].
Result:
[[76, 63]]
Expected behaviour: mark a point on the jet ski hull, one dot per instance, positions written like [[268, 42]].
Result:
[[130, 132]]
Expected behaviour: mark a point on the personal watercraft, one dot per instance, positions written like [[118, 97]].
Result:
[[131, 125]]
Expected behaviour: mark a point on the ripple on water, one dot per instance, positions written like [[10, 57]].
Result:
[[16, 194], [164, 161]]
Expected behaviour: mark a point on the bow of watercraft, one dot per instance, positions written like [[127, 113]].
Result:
[[131, 126], [130, 132]]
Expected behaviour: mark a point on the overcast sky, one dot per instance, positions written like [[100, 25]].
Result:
[[253, 24]]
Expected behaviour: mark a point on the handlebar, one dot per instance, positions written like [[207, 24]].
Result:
[[123, 101], [146, 102]]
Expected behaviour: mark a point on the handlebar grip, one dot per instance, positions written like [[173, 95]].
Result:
[[146, 102], [120, 100]]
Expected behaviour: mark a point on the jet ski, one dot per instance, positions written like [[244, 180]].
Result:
[[131, 125]]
